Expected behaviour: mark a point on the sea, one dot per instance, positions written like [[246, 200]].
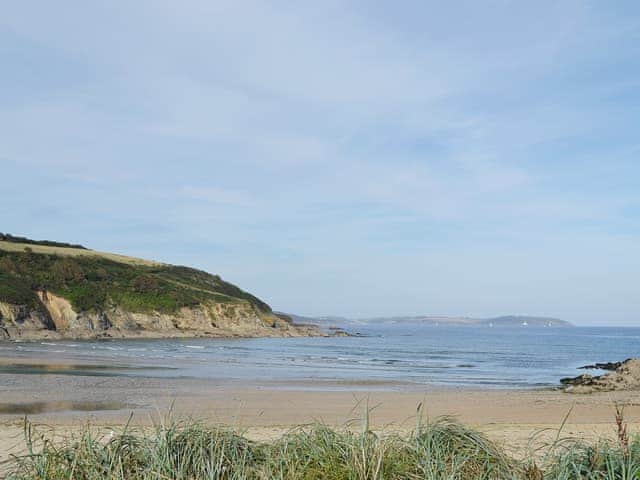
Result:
[[390, 356]]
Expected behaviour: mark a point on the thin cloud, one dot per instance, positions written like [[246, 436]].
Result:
[[219, 196], [333, 141]]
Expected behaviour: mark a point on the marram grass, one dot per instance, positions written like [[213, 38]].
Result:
[[440, 449]]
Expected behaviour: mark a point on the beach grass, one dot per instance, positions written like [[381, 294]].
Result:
[[439, 449]]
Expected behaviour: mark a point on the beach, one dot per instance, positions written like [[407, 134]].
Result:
[[63, 403], [502, 382]]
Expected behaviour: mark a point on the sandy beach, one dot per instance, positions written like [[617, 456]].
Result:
[[60, 403]]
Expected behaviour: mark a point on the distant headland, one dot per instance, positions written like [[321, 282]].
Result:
[[439, 320], [55, 290]]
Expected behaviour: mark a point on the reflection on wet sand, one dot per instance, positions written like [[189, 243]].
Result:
[[28, 408], [71, 369]]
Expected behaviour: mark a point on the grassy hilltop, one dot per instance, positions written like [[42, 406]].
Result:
[[91, 280]]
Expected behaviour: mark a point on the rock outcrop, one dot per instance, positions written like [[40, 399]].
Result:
[[603, 366], [626, 376], [57, 290], [57, 320]]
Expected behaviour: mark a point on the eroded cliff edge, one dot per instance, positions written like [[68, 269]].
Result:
[[58, 320], [59, 292]]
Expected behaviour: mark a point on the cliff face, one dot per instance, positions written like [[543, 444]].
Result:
[[53, 290], [58, 320]]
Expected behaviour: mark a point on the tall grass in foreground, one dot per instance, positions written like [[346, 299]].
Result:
[[441, 449]]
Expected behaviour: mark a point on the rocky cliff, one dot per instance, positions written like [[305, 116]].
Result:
[[58, 294], [59, 320]]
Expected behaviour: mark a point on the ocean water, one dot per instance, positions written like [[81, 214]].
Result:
[[521, 357]]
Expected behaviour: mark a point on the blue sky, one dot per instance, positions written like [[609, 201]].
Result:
[[351, 158]]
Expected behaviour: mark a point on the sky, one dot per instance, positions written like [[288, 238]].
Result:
[[353, 158]]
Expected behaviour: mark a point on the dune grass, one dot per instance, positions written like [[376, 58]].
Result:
[[438, 449]]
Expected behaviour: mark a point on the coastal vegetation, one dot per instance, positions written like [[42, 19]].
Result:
[[56, 290], [7, 237], [91, 283], [440, 449]]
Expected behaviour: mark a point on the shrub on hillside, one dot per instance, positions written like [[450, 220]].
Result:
[[144, 284], [66, 270]]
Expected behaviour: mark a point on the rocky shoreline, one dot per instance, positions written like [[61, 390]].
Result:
[[623, 375], [57, 319], [53, 290]]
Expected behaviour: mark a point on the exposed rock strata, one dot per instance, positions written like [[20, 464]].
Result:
[[57, 319]]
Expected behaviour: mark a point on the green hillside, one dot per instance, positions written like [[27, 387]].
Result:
[[93, 281]]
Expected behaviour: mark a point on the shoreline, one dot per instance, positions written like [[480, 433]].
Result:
[[66, 404], [60, 398], [42, 363], [35, 336], [65, 392], [513, 419]]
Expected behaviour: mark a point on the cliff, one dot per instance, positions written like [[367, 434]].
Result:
[[54, 290]]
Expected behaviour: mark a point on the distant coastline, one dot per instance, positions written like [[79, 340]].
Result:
[[436, 320]]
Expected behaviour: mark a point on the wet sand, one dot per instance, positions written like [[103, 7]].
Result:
[[67, 402]]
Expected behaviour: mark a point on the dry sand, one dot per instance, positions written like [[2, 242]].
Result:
[[66, 403]]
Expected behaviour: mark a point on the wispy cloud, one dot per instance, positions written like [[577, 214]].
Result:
[[219, 196], [333, 141]]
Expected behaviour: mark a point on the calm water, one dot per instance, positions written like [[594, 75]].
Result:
[[469, 356]]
